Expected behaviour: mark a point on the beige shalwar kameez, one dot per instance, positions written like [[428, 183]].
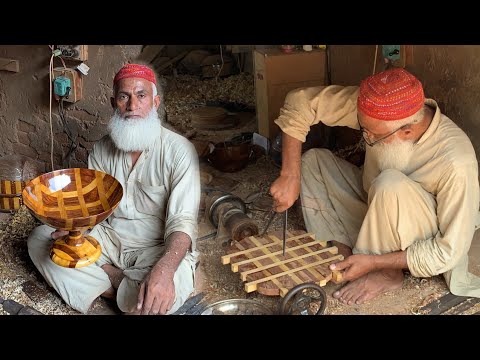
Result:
[[431, 210], [161, 195]]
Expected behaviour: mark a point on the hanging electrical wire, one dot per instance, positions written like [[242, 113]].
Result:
[[66, 129]]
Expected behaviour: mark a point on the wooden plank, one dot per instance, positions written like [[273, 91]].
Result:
[[280, 287], [277, 261], [244, 274], [9, 65], [267, 255], [320, 278], [337, 276], [444, 303], [252, 286], [333, 250], [259, 262], [227, 258], [150, 52]]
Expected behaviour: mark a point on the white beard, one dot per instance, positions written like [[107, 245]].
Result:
[[395, 155], [134, 134]]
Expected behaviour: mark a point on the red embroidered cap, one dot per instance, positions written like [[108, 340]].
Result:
[[393, 94], [137, 71]]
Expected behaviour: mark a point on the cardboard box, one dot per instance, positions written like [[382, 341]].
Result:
[[276, 74]]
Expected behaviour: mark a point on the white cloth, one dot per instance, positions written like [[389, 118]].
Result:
[[161, 196], [442, 175]]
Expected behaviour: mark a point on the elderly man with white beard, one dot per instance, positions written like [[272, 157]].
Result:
[[413, 205], [148, 243]]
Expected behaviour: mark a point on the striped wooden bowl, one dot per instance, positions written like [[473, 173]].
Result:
[[75, 200]]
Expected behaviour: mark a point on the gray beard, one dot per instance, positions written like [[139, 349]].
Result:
[[395, 155], [134, 134]]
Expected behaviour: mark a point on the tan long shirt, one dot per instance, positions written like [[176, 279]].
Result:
[[161, 193], [444, 163]]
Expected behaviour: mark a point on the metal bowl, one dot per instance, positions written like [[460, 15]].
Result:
[[237, 307]]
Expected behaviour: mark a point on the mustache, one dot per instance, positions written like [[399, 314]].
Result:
[[128, 113]]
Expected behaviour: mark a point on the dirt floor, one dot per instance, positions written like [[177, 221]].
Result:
[[21, 282]]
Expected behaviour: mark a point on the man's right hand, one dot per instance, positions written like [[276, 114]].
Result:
[[285, 190], [58, 233]]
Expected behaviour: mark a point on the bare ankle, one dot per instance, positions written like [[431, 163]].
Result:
[[109, 294], [114, 274]]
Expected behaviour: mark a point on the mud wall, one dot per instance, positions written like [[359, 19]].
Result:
[[24, 103]]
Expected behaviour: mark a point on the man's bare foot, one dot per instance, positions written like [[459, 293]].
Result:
[[369, 286], [342, 248]]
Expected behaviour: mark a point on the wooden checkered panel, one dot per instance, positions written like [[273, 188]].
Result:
[[73, 198], [263, 268], [10, 195]]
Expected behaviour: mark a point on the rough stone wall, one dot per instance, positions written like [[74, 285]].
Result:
[[24, 103]]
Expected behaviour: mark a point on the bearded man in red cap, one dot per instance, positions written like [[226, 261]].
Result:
[[413, 205], [148, 243]]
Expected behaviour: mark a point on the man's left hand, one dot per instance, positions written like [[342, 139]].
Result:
[[157, 292], [355, 266]]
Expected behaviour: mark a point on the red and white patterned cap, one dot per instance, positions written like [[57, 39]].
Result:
[[390, 95], [135, 71]]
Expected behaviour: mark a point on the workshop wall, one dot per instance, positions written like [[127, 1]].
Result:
[[450, 75], [24, 102]]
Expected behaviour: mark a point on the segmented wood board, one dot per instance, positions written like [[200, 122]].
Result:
[[261, 265], [11, 195]]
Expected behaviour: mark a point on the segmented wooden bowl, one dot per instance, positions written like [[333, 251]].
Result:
[[73, 199]]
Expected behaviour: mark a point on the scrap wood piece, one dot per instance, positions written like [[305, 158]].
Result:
[[265, 270], [443, 304]]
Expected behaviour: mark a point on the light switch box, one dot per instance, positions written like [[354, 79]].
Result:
[[75, 82]]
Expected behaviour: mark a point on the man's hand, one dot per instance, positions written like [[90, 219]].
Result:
[[355, 266], [285, 190], [157, 292], [58, 233]]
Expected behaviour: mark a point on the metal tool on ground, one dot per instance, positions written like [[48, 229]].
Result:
[[14, 308], [271, 216], [192, 306], [449, 303], [227, 212]]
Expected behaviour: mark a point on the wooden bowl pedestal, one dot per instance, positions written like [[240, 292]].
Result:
[[75, 250]]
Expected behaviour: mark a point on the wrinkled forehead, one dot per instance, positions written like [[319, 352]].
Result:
[[133, 85]]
